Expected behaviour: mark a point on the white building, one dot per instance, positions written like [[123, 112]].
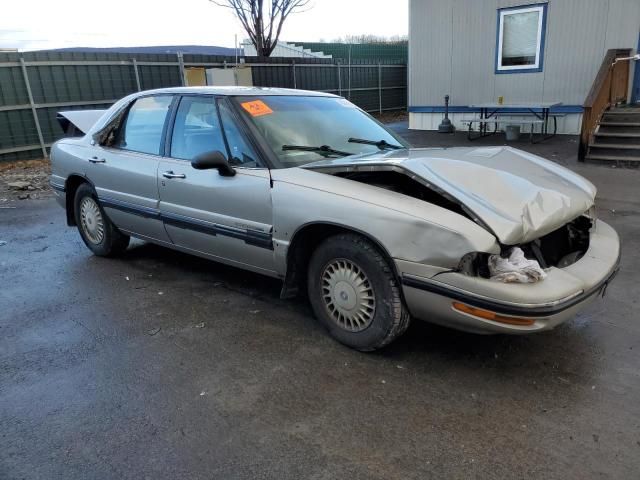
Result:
[[284, 49], [479, 50]]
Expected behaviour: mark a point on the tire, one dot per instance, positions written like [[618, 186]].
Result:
[[354, 293], [99, 234]]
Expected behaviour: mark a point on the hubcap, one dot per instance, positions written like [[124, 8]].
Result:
[[348, 295], [91, 220]]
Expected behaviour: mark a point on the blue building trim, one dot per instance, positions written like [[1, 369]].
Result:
[[543, 36], [464, 109], [635, 90]]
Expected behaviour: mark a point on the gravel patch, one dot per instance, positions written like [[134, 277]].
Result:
[[27, 179]]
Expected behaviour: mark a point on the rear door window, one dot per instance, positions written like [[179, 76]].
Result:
[[142, 129]]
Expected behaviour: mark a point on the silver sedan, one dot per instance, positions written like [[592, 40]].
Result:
[[308, 188]]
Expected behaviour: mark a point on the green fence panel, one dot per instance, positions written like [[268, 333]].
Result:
[[17, 129], [88, 78], [12, 87], [159, 76], [393, 52]]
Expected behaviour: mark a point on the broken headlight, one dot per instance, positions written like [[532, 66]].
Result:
[[474, 264]]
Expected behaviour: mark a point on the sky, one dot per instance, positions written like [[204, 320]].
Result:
[[42, 24]]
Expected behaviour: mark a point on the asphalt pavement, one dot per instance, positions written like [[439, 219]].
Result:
[[160, 365]]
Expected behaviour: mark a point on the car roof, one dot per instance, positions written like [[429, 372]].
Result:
[[236, 91]]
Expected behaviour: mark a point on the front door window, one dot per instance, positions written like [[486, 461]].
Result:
[[241, 154], [196, 129]]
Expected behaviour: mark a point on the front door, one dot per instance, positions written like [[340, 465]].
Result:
[[125, 174], [227, 218]]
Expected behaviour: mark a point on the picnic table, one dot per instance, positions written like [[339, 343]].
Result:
[[500, 113]]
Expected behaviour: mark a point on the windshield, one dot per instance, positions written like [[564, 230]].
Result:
[[303, 130]]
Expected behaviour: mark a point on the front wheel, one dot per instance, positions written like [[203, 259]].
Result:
[[354, 293], [98, 233]]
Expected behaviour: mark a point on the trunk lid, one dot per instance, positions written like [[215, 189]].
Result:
[[517, 195], [83, 120]]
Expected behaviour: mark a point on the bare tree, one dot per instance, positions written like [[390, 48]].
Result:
[[263, 23]]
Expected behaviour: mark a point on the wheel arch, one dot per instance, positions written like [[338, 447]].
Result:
[[71, 185], [306, 239]]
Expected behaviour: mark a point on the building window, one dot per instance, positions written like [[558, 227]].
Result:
[[520, 42]]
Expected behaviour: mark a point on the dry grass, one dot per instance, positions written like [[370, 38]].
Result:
[[391, 116], [39, 164]]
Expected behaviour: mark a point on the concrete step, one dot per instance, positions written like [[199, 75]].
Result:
[[620, 117], [603, 128], [614, 159], [614, 150], [618, 134], [619, 146], [616, 138], [621, 110], [608, 123]]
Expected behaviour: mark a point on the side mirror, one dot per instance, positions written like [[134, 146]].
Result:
[[214, 159]]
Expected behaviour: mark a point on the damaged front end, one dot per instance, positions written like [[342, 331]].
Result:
[[399, 180], [560, 248], [539, 214], [544, 217], [515, 196]]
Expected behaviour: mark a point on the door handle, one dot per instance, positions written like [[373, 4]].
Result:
[[170, 174], [97, 160]]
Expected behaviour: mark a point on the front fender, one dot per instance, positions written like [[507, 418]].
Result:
[[407, 228]]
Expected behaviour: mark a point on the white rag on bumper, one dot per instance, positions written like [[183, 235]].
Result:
[[515, 268]]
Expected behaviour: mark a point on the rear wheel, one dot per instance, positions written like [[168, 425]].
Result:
[[98, 233], [354, 293]]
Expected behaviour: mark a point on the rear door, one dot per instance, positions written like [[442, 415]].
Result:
[[125, 174], [229, 218]]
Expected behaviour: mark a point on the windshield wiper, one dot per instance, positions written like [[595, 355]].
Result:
[[381, 144], [324, 150]]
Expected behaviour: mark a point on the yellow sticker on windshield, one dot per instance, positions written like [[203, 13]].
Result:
[[257, 108]]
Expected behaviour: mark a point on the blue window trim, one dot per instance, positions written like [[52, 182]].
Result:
[[464, 109], [542, 39]]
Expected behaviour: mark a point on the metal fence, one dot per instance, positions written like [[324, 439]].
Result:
[[35, 85]]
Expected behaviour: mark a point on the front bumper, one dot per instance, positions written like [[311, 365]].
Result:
[[545, 304]]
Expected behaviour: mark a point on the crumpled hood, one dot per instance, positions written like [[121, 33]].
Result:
[[517, 195]]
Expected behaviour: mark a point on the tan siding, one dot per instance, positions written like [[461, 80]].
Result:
[[430, 53], [520, 87], [622, 24], [575, 48], [473, 62], [516, 3], [453, 50]]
